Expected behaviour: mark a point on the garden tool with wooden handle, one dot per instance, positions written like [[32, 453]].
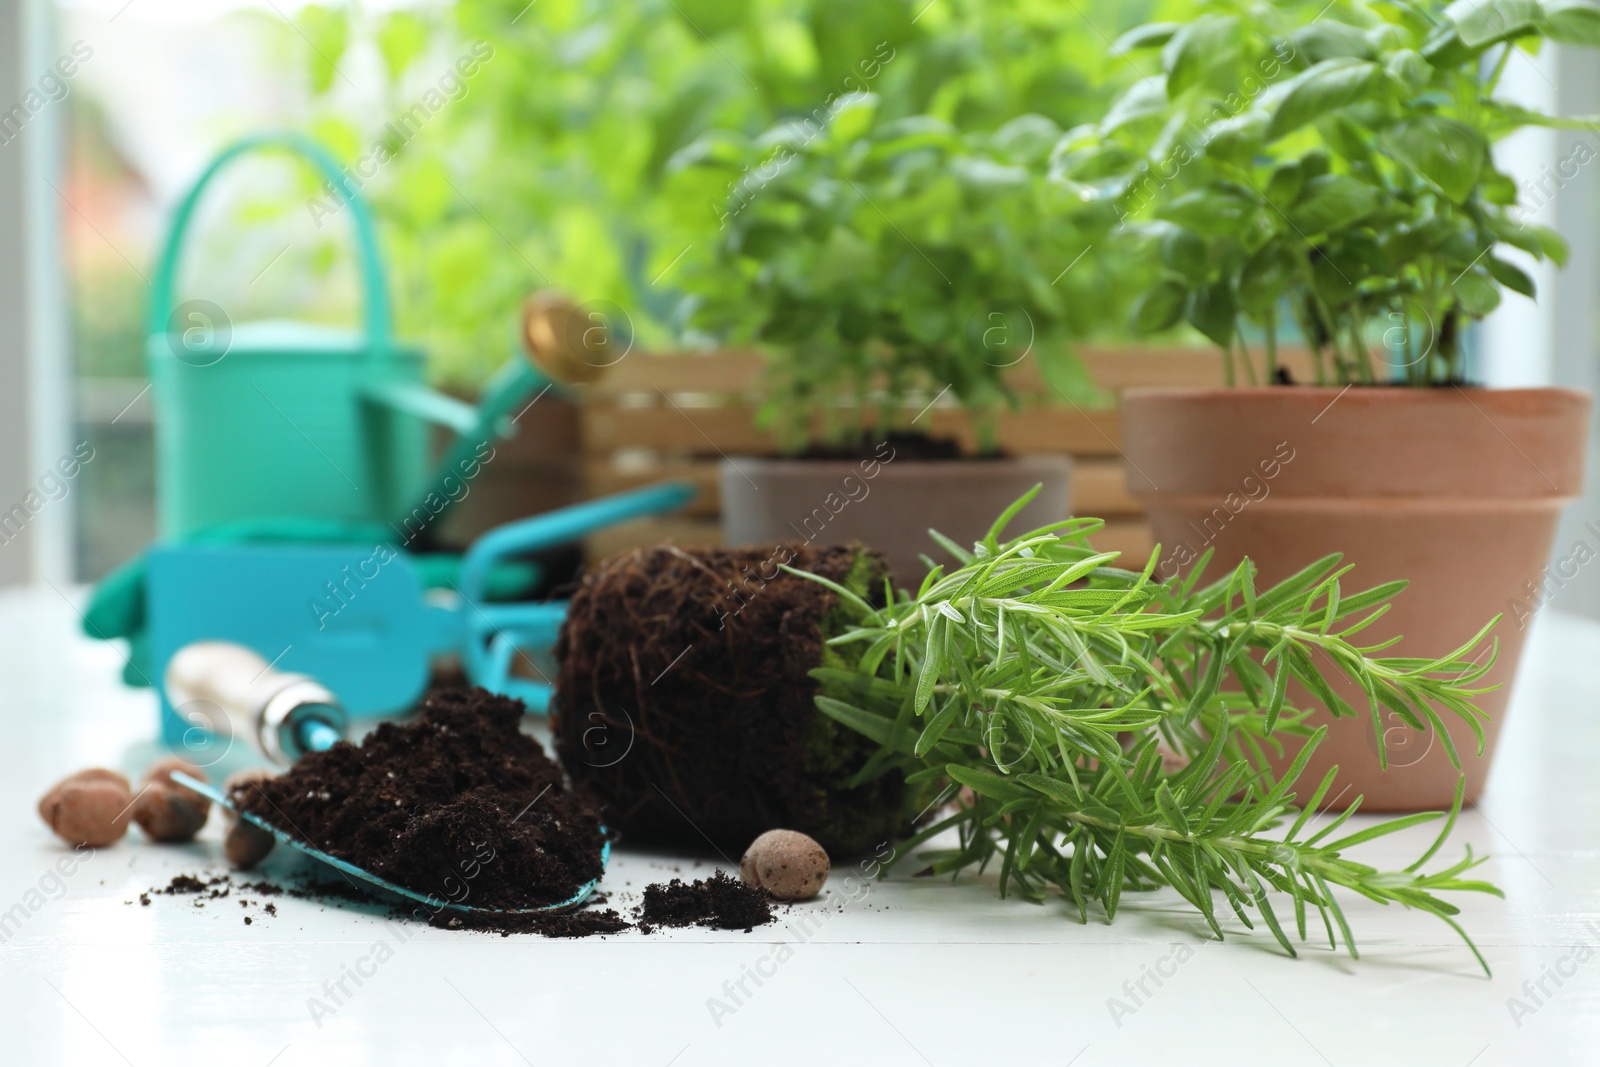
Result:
[[219, 686], [285, 716]]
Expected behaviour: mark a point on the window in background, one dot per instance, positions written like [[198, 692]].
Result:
[[1556, 340], [161, 86], [106, 237]]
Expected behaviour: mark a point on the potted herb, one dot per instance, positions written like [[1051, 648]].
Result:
[[1324, 172], [884, 268]]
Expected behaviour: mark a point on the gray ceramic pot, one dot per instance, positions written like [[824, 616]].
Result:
[[888, 503]]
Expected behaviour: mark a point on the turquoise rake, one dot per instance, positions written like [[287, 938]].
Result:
[[375, 650]]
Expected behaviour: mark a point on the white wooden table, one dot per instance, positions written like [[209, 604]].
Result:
[[908, 972]]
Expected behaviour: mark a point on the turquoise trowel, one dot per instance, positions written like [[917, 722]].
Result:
[[285, 716]]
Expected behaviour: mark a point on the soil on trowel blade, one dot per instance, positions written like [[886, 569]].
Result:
[[458, 804]]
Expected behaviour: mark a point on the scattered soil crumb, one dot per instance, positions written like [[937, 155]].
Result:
[[204, 888], [183, 883], [584, 922], [719, 901]]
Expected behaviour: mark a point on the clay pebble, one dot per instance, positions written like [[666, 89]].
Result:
[[245, 844], [91, 807], [165, 810], [786, 863]]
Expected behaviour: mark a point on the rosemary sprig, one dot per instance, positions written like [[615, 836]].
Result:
[[1038, 683]]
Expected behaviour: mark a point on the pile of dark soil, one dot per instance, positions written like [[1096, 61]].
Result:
[[458, 804], [684, 700], [719, 901]]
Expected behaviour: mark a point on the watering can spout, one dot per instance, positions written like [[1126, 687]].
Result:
[[563, 344]]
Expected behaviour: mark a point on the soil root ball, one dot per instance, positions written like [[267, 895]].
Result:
[[685, 703]]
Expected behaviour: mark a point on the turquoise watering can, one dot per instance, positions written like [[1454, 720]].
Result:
[[284, 419]]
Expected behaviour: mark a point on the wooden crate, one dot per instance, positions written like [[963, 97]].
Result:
[[675, 415]]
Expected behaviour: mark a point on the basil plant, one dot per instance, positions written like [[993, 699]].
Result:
[[883, 264], [1325, 169]]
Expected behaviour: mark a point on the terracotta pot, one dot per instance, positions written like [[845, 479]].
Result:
[[888, 503], [1456, 490]]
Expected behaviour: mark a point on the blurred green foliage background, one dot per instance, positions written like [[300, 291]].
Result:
[[547, 165]]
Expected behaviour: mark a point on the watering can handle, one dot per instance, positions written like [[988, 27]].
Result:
[[560, 526], [379, 333], [495, 632]]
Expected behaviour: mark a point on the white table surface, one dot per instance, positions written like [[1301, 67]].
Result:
[[915, 972]]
